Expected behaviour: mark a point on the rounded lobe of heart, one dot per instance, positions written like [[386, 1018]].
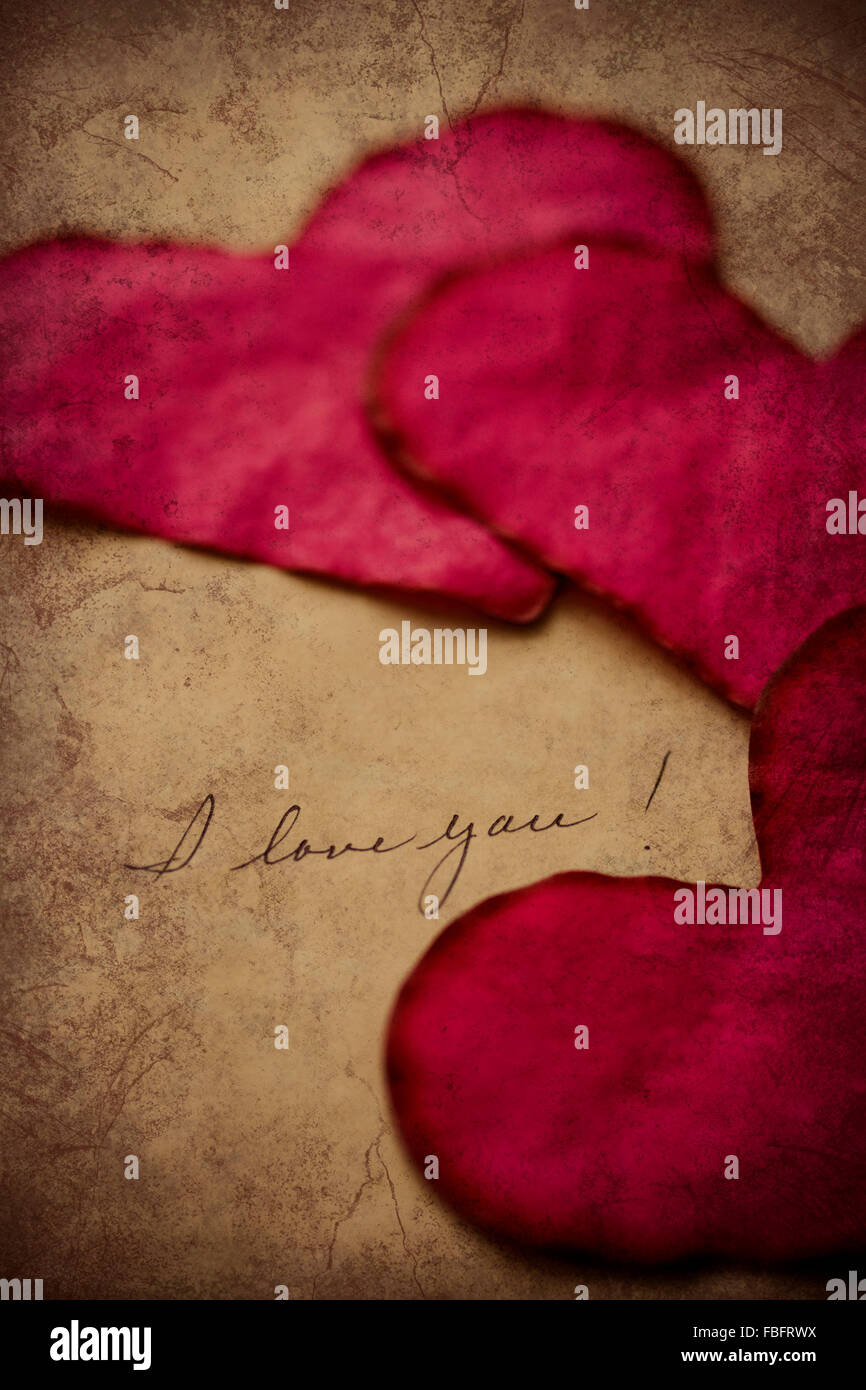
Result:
[[807, 769], [606, 388], [705, 1042], [508, 180]]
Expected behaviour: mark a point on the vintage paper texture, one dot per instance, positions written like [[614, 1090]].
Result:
[[262, 1167]]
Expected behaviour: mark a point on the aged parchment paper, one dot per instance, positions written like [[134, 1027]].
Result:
[[262, 1167]]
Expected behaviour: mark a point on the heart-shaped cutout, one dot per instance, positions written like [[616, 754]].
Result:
[[703, 1043], [191, 394], [634, 426]]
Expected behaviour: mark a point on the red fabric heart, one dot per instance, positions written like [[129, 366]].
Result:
[[705, 1042], [605, 388], [252, 379]]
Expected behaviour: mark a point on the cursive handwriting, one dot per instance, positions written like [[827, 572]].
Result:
[[458, 841], [169, 866]]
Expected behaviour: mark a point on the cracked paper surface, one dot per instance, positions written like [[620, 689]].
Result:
[[155, 1037]]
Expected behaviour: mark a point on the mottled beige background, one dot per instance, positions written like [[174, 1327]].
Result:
[[155, 1037]]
